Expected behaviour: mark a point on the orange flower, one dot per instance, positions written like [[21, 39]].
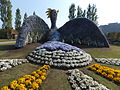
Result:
[[43, 77]]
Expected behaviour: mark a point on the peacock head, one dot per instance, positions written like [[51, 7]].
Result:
[[52, 14]]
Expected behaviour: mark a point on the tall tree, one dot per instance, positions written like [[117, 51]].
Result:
[[92, 13], [34, 13], [18, 20], [84, 14], [72, 12], [79, 12], [25, 16], [9, 15], [6, 13], [6, 16]]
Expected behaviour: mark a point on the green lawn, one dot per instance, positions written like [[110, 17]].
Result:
[[7, 40], [112, 52], [14, 73], [9, 51], [56, 79]]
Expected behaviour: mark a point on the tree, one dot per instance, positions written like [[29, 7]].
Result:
[[72, 12], [9, 15], [79, 12], [25, 16], [18, 20], [84, 14], [92, 13], [6, 13], [6, 16], [34, 13]]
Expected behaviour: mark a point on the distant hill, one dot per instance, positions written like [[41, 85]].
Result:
[[111, 27]]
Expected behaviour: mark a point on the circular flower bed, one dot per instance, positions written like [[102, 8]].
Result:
[[80, 81], [59, 54]]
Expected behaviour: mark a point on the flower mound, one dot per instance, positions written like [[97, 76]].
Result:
[[59, 54], [106, 72], [80, 81]]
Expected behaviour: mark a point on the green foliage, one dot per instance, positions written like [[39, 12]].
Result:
[[90, 13], [25, 16], [34, 13], [114, 36], [72, 12], [79, 12], [18, 20], [3, 34], [6, 13]]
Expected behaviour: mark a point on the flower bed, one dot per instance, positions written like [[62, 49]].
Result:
[[29, 82], [106, 72], [80, 81], [112, 61], [9, 63], [59, 54]]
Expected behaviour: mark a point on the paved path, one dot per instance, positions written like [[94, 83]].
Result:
[[7, 42]]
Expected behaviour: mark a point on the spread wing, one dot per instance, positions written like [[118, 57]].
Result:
[[34, 29], [83, 31]]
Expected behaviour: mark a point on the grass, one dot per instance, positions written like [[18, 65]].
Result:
[[9, 51], [56, 79], [16, 72], [112, 52], [6, 40], [111, 85]]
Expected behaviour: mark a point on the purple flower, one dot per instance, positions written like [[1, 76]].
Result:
[[55, 45]]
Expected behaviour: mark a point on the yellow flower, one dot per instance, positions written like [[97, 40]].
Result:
[[36, 75], [21, 80], [118, 74], [28, 82], [43, 77], [5, 88], [31, 89], [39, 81], [104, 74], [21, 87], [117, 79], [33, 73], [110, 76], [34, 85], [44, 70], [44, 74], [13, 84], [40, 72]]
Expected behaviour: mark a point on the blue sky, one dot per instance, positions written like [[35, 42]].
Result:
[[108, 10]]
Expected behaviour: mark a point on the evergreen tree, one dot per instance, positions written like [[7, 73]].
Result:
[[89, 12], [79, 12], [6, 16], [18, 20], [6, 13], [92, 13], [34, 13], [9, 15], [72, 12], [25, 16], [84, 14]]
